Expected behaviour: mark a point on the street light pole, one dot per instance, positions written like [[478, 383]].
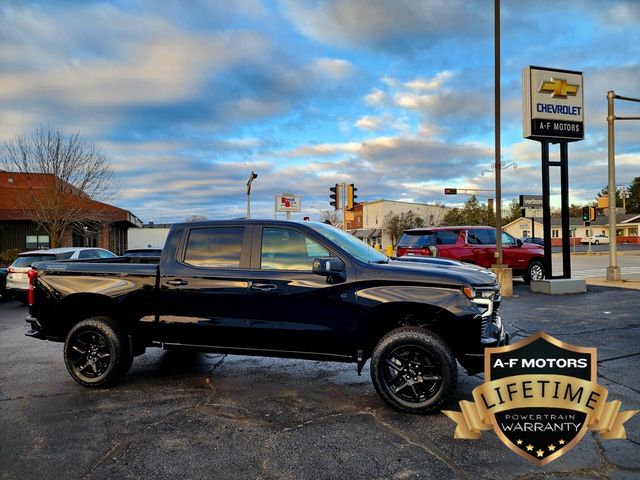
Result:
[[252, 177], [498, 163]]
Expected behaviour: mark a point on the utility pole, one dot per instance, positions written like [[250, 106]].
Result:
[[498, 153], [613, 270], [252, 177]]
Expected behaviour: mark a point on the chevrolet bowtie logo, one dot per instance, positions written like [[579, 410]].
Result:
[[558, 88]]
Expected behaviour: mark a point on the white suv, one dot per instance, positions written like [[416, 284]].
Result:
[[17, 280]]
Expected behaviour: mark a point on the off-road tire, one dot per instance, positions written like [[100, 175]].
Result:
[[434, 366], [96, 352]]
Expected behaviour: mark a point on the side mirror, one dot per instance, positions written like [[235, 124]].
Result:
[[519, 242], [327, 266]]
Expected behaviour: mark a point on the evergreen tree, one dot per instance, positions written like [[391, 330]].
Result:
[[633, 202]]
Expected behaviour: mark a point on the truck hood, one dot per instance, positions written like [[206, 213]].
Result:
[[457, 275]]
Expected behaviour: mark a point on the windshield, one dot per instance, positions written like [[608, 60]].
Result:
[[349, 243]]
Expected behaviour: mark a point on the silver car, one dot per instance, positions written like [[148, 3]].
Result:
[[17, 279]]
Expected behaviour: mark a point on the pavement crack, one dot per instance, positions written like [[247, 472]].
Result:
[[28, 397], [268, 443], [600, 374], [127, 439], [619, 357], [411, 440], [209, 379]]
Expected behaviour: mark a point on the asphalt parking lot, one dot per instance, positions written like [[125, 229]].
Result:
[[214, 416]]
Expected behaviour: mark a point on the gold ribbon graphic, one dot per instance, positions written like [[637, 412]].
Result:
[[540, 391]]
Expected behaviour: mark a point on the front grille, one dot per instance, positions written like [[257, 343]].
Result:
[[483, 325]]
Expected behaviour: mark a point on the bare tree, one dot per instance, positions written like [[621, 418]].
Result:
[[329, 216], [196, 218], [395, 225], [65, 176]]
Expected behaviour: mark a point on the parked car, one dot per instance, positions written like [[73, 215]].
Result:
[[274, 288], [477, 245], [3, 283], [17, 280], [143, 252], [536, 240], [600, 239]]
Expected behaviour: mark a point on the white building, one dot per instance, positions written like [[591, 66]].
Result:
[[369, 218], [149, 236], [627, 228]]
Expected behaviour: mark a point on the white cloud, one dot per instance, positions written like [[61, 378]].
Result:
[[333, 67], [369, 123], [434, 83], [375, 98]]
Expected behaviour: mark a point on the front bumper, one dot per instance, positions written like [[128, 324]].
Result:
[[494, 335]]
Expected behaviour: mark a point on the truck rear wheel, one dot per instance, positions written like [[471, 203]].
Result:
[[96, 352], [413, 370]]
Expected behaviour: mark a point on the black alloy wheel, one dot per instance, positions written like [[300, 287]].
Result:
[[96, 352], [413, 370], [90, 354], [412, 373]]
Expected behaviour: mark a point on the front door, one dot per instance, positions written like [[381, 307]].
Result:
[[294, 309]]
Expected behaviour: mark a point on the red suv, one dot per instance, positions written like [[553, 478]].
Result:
[[475, 245]]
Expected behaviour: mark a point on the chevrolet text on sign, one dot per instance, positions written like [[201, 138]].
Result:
[[553, 104]]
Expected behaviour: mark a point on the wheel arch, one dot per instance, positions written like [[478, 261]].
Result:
[[80, 306], [389, 316]]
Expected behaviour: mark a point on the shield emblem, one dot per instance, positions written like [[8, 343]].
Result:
[[539, 424]]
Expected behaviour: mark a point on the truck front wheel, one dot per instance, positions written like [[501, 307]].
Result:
[[96, 352], [413, 370]]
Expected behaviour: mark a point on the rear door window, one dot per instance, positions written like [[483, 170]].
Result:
[[419, 239], [218, 247], [481, 237], [447, 237]]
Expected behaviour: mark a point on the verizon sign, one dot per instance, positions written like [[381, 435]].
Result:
[[553, 104]]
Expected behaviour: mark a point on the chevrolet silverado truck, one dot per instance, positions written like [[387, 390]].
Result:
[[273, 288]]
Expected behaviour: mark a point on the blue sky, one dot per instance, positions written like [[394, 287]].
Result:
[[187, 98]]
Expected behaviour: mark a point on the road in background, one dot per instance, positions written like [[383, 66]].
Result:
[[584, 265]]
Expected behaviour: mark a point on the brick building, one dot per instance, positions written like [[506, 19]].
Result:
[[102, 225]]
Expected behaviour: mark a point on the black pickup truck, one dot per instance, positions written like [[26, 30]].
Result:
[[273, 288]]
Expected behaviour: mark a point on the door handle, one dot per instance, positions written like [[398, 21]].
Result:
[[263, 286], [177, 283]]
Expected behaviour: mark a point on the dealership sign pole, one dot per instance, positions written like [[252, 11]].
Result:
[[553, 112]]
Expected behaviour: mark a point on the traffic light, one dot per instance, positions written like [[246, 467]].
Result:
[[335, 197], [585, 214], [450, 191], [588, 214], [351, 196]]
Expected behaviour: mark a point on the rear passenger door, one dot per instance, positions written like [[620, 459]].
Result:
[[204, 292], [483, 245]]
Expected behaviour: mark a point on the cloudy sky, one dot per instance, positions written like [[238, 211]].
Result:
[[187, 98]]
